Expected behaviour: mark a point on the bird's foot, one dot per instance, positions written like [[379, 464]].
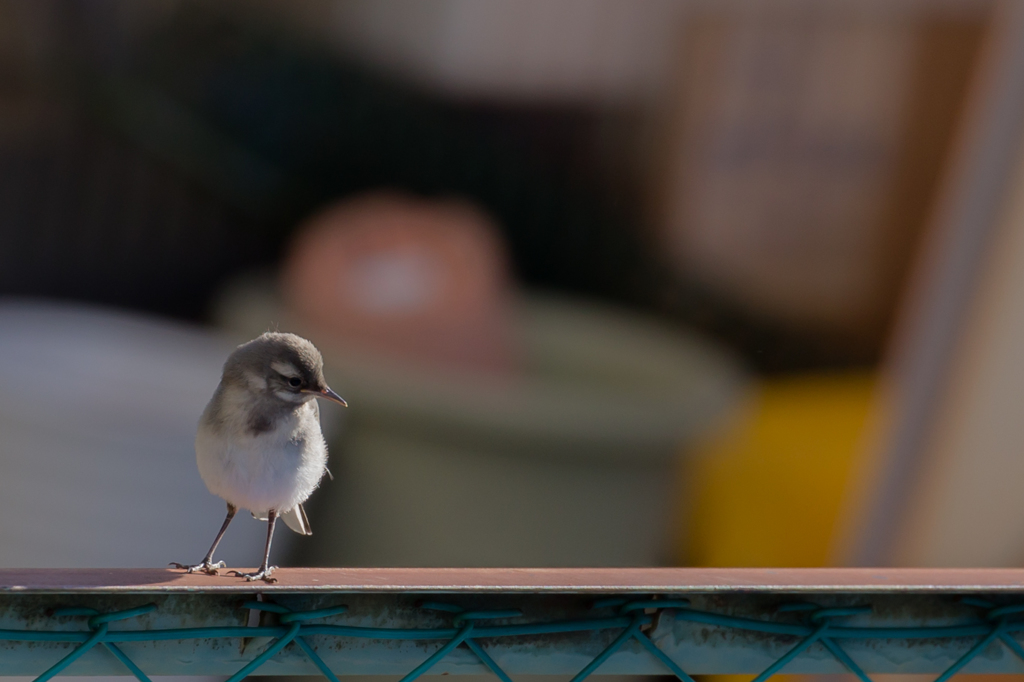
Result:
[[205, 567], [262, 574]]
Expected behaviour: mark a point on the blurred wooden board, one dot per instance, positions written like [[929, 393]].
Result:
[[941, 486], [802, 156]]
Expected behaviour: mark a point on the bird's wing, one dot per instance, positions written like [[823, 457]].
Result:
[[297, 520]]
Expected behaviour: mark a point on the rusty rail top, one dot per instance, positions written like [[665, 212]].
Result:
[[524, 580]]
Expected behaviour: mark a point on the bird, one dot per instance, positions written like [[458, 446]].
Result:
[[259, 445]]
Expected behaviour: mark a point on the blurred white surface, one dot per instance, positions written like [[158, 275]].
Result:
[[593, 51], [98, 412]]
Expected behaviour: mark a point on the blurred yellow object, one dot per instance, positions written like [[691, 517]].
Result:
[[767, 489]]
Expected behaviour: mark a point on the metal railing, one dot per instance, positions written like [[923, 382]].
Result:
[[403, 621]]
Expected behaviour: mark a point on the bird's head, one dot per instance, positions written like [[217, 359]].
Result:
[[279, 365]]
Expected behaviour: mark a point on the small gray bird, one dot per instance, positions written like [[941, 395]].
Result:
[[259, 445]]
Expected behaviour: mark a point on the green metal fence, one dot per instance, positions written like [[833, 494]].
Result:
[[583, 628]]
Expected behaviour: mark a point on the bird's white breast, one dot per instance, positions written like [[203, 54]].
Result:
[[276, 469]]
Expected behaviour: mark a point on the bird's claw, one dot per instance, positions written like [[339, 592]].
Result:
[[205, 567], [262, 574]]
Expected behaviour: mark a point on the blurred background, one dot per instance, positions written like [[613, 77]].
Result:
[[605, 282]]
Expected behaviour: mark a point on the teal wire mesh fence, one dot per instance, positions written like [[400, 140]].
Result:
[[797, 627]]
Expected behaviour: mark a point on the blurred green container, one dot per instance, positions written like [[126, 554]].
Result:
[[572, 464]]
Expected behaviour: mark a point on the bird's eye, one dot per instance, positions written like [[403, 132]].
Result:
[[295, 381]]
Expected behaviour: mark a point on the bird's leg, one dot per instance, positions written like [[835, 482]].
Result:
[[208, 567], [265, 570]]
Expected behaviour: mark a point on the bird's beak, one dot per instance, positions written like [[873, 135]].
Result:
[[329, 394]]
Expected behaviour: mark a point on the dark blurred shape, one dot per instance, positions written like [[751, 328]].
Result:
[[186, 141], [222, 135], [84, 215]]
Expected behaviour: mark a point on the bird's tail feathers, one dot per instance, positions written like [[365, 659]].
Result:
[[295, 519]]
